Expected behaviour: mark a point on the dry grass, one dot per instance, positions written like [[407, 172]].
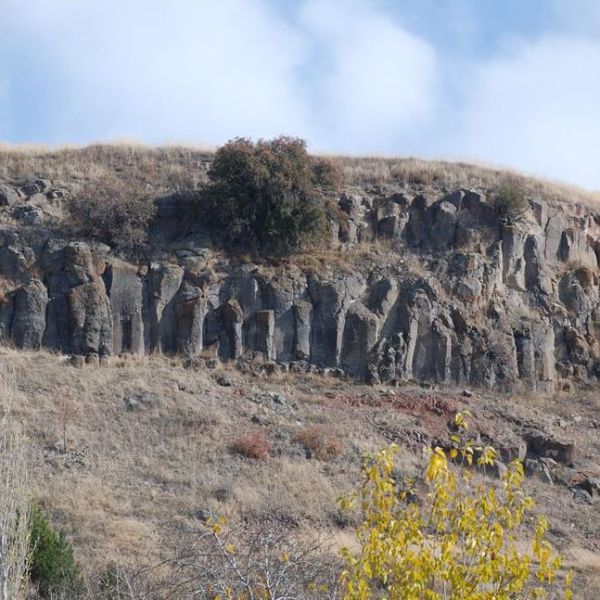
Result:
[[131, 479], [323, 443], [173, 167], [252, 444], [157, 169], [129, 476], [453, 175]]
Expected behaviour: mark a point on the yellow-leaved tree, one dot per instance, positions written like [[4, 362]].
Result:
[[470, 538]]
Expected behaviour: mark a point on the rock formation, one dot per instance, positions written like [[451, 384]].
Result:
[[451, 292]]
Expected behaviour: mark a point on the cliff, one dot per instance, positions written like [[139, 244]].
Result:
[[420, 281]]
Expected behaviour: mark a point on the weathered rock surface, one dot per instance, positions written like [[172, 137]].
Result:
[[460, 297]]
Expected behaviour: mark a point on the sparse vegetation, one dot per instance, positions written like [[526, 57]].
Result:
[[510, 201], [110, 211], [165, 169], [260, 562], [128, 493], [265, 195], [252, 444], [321, 442], [14, 501], [170, 168]]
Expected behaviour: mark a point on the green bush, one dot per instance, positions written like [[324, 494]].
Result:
[[510, 202], [268, 195], [52, 567]]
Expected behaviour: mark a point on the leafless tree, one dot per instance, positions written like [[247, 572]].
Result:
[[261, 561], [14, 502]]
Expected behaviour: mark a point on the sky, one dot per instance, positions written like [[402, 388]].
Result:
[[506, 82]]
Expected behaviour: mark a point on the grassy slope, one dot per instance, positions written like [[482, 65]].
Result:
[[130, 480]]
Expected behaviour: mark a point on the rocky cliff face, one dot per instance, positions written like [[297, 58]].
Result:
[[430, 286]]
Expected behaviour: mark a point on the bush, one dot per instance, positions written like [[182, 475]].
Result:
[[252, 444], [324, 444], [464, 540], [327, 173], [114, 584], [267, 196], [52, 566], [510, 202], [110, 211], [247, 560]]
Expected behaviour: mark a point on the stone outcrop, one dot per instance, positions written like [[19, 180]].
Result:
[[450, 294]]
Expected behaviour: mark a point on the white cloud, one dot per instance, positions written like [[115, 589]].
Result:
[[374, 81], [199, 70], [341, 73], [536, 108], [582, 16]]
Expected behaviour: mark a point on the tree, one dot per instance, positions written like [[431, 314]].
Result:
[[52, 565], [461, 542], [14, 498], [256, 562], [267, 196]]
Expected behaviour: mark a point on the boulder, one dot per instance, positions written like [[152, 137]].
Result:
[[36, 186], [126, 291], [29, 321], [359, 337], [90, 319], [190, 311], [441, 218], [541, 445], [8, 195]]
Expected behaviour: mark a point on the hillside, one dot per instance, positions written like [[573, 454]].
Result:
[[388, 295], [142, 367], [150, 453]]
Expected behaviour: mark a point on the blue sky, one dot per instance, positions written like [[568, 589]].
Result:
[[507, 82]]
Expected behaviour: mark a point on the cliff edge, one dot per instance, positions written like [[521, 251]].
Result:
[[427, 281]]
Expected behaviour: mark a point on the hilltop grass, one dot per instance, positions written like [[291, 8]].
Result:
[[170, 168]]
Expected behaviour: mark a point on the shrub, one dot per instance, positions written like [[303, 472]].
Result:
[[252, 444], [52, 566], [462, 541], [586, 276], [247, 560], [510, 202], [327, 174], [324, 444], [267, 196], [114, 584], [112, 212]]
